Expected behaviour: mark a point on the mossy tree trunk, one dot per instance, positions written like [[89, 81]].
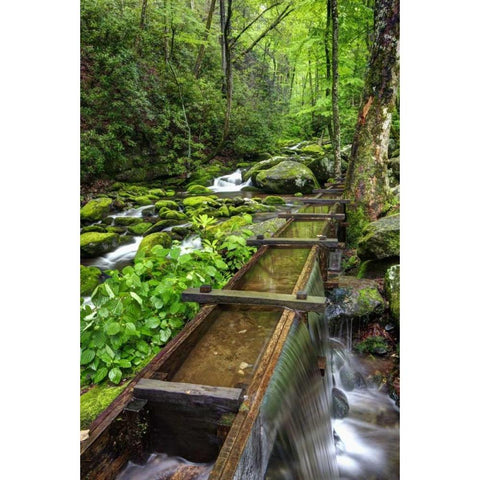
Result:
[[335, 112], [367, 180]]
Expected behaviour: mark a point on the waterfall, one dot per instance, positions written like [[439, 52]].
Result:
[[117, 259], [230, 183]]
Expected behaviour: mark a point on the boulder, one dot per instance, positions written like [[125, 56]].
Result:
[[89, 279], [354, 297], [392, 291], [161, 238], [287, 177], [127, 221], [263, 165], [166, 203], [95, 209], [93, 244], [340, 406], [195, 189], [139, 228], [273, 200], [381, 239], [162, 224], [199, 201]]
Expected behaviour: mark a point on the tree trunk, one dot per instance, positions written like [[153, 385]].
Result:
[[367, 180], [335, 112], [201, 51]]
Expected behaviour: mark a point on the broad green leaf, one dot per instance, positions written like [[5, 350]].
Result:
[[100, 375], [136, 297], [87, 356], [165, 335], [113, 328], [143, 347], [130, 328], [109, 291], [115, 375], [125, 363], [152, 322]]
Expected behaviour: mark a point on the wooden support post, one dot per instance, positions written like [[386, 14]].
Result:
[[248, 297], [328, 190]]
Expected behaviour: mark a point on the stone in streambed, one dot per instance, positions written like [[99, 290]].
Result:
[[139, 228], [93, 244], [95, 210], [127, 221], [340, 406], [287, 177], [161, 238], [89, 279], [380, 239]]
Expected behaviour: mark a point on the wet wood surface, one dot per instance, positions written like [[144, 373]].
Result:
[[325, 201], [295, 242], [312, 216]]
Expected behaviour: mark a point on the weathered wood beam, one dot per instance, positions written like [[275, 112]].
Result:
[[312, 216], [248, 297], [295, 242], [325, 201], [188, 394], [328, 190]]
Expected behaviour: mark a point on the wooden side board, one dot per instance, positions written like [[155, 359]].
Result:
[[325, 201], [294, 242], [312, 216]]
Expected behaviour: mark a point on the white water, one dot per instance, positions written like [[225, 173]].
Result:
[[132, 212], [189, 244], [230, 183], [161, 466], [120, 256]]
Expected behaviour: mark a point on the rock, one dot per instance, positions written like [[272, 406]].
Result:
[[144, 200], [89, 279], [158, 192], [340, 406], [93, 244], [273, 200], [323, 168], [166, 203], [139, 228], [347, 377], [115, 229], [127, 221], [94, 228], [196, 189], [381, 239], [165, 213], [354, 298], [161, 238], [287, 177], [162, 224], [263, 165], [95, 209], [392, 291], [394, 166], [195, 202]]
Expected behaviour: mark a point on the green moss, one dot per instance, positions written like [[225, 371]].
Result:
[[127, 221], [139, 228], [115, 229], [357, 221], [171, 214], [368, 297], [166, 203], [95, 209], [274, 200], [201, 200], [159, 192], [89, 279], [298, 194], [373, 345], [159, 226], [95, 401], [144, 200], [93, 244], [196, 189], [392, 290], [159, 238], [313, 148], [94, 228]]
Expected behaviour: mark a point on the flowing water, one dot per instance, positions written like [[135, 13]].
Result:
[[230, 183]]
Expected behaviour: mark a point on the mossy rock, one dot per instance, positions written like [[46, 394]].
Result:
[[381, 239], [273, 200], [158, 192], [160, 238], [287, 177], [171, 214], [223, 211], [354, 298], [139, 228], [93, 244], [195, 202], [340, 405], [95, 209], [392, 291], [314, 148], [298, 194], [89, 279], [263, 165], [196, 189], [94, 228], [170, 193], [182, 232], [127, 221], [116, 186], [232, 225], [166, 203], [115, 229], [250, 188], [144, 200], [161, 225]]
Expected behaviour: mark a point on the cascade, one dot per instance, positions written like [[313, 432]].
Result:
[[230, 183]]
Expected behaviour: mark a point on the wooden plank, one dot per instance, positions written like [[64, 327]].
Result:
[[328, 190], [248, 297], [325, 201], [312, 216], [188, 394], [295, 242]]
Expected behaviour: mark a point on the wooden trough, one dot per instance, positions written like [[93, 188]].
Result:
[[214, 420]]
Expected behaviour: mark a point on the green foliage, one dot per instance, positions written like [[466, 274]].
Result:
[[138, 310], [373, 345]]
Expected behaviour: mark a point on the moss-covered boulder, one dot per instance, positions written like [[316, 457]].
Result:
[[95, 209], [273, 200], [89, 279], [196, 189], [161, 225], [93, 244], [287, 177], [160, 238], [166, 204], [158, 192], [127, 221], [354, 298], [94, 228], [199, 201], [380, 239], [139, 228], [263, 165], [144, 200], [392, 291], [166, 213], [116, 229]]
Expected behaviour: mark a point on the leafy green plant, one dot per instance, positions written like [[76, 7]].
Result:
[[373, 345], [137, 311]]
